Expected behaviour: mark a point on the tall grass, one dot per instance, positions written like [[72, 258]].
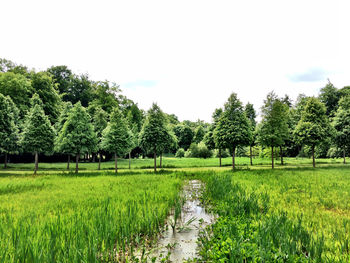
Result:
[[82, 219]]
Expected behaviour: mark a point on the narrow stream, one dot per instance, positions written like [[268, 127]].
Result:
[[182, 243]]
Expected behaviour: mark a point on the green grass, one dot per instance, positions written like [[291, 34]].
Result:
[[169, 163], [81, 219], [293, 213], [289, 215]]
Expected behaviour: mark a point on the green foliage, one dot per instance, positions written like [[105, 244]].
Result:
[[116, 136], [155, 136], [43, 85], [313, 127], [184, 135], [38, 134], [273, 129], [100, 122], [18, 88], [104, 96], [233, 127], [62, 76], [341, 124], [81, 90], [251, 115], [198, 151], [199, 134], [329, 96], [8, 127], [180, 153], [77, 135], [135, 118]]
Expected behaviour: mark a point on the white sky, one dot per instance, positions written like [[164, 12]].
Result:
[[188, 56]]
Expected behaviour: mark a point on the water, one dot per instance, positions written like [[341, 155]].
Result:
[[182, 243]]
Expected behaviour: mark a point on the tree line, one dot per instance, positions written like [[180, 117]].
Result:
[[56, 111]]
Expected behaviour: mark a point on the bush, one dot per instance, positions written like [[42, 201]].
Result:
[[224, 153], [198, 151], [180, 153]]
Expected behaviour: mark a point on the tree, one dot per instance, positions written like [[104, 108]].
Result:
[[155, 134], [184, 135], [62, 75], [329, 96], [38, 134], [67, 107], [341, 124], [77, 135], [251, 115], [8, 128], [273, 129], [18, 88], [198, 134], [209, 138], [81, 90], [100, 123], [233, 128], [43, 85], [313, 127], [115, 138]]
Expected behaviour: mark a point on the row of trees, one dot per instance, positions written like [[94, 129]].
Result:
[[38, 105]]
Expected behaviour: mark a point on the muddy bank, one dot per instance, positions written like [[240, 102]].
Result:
[[181, 244]]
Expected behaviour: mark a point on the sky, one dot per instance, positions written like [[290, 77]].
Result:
[[187, 56]]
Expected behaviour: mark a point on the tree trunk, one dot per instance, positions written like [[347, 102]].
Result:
[[76, 163], [155, 162], [99, 161], [160, 160], [281, 153], [68, 162], [36, 162], [251, 155], [313, 157], [343, 156], [233, 158], [5, 161], [93, 157], [273, 161], [129, 160], [220, 156], [116, 162]]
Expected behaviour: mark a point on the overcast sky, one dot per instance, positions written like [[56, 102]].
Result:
[[188, 56]]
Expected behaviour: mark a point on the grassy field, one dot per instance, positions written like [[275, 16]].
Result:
[[291, 214]]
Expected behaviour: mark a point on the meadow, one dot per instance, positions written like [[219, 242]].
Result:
[[293, 213]]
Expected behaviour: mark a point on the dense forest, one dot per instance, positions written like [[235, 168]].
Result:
[[55, 114]]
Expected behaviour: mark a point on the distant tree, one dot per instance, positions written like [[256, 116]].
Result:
[[251, 115], [38, 134], [313, 127], [100, 123], [209, 139], [44, 86], [62, 75], [173, 119], [9, 66], [80, 90], [104, 96], [184, 135], [77, 135], [233, 128], [8, 128], [135, 117], [341, 123], [273, 129], [18, 88], [199, 134], [155, 134], [329, 96], [67, 107], [115, 138]]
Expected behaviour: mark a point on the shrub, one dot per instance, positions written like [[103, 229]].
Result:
[[180, 153]]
